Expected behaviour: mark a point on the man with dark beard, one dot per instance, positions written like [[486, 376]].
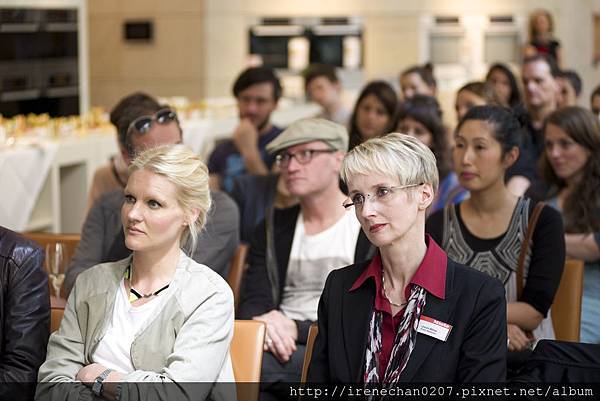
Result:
[[257, 91]]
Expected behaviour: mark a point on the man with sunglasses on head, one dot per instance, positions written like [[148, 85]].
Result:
[[257, 91], [143, 123], [282, 287]]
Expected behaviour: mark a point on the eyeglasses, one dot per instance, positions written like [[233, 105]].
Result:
[[381, 195], [144, 123], [302, 156]]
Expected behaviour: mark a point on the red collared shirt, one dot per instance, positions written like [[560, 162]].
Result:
[[431, 275]]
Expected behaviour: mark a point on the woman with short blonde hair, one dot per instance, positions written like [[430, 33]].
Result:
[[395, 317], [156, 316]]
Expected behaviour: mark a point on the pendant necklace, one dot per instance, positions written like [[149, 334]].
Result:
[[135, 295]]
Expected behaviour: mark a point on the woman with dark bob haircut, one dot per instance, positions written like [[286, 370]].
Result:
[[373, 113], [571, 163], [421, 117]]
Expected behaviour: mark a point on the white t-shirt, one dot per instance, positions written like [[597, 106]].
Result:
[[114, 350], [312, 258]]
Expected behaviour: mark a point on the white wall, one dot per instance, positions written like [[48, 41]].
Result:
[[201, 45]]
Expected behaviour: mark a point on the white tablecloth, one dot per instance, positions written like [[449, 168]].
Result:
[[23, 172], [24, 169]]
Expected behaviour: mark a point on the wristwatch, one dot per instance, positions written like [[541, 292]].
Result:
[[98, 383]]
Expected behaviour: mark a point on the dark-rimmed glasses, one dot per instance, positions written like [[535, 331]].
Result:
[[303, 156], [381, 195], [143, 124]]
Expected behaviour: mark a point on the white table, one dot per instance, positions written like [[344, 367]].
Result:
[[45, 187], [23, 172]]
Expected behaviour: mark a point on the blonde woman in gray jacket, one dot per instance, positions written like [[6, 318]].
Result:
[[157, 316]]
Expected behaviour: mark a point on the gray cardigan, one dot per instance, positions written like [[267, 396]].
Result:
[[187, 341]]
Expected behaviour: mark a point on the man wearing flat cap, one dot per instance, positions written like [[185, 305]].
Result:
[[291, 256]]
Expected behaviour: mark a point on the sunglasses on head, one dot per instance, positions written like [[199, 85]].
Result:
[[144, 123]]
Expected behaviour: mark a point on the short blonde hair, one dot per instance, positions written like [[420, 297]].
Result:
[[394, 155], [182, 167]]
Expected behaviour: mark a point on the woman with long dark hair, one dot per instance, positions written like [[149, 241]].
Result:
[[504, 84], [373, 113], [571, 163]]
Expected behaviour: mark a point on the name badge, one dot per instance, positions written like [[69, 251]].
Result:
[[434, 328]]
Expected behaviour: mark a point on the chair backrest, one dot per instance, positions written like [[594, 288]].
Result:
[[56, 315], [310, 342], [246, 357], [236, 271], [70, 242], [566, 309]]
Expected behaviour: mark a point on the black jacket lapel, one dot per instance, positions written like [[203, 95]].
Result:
[[357, 308]]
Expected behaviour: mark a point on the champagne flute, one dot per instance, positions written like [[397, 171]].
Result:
[[55, 265]]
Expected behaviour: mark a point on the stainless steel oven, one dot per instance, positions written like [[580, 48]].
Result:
[[337, 41], [270, 40], [38, 61], [293, 43]]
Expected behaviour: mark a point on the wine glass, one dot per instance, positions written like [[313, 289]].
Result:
[[55, 265]]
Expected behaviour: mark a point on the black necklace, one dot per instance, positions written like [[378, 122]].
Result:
[[137, 295]]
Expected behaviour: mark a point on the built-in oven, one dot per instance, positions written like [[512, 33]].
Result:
[[293, 43], [38, 61], [337, 41], [271, 39]]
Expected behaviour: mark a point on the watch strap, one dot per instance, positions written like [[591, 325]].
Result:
[[98, 383]]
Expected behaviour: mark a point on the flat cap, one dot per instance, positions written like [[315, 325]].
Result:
[[308, 130]]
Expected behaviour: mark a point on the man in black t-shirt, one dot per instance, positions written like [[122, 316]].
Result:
[[541, 92], [257, 91]]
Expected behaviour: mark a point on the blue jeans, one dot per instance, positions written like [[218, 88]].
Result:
[[590, 305]]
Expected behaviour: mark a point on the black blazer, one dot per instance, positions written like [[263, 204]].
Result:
[[475, 350], [263, 284]]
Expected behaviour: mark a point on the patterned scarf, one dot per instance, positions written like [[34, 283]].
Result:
[[404, 343]]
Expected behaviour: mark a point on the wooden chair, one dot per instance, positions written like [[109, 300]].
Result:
[[56, 315], [69, 240], [566, 309], [236, 271], [246, 357], [310, 342]]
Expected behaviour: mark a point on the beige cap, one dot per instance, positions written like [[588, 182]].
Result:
[[308, 130]]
